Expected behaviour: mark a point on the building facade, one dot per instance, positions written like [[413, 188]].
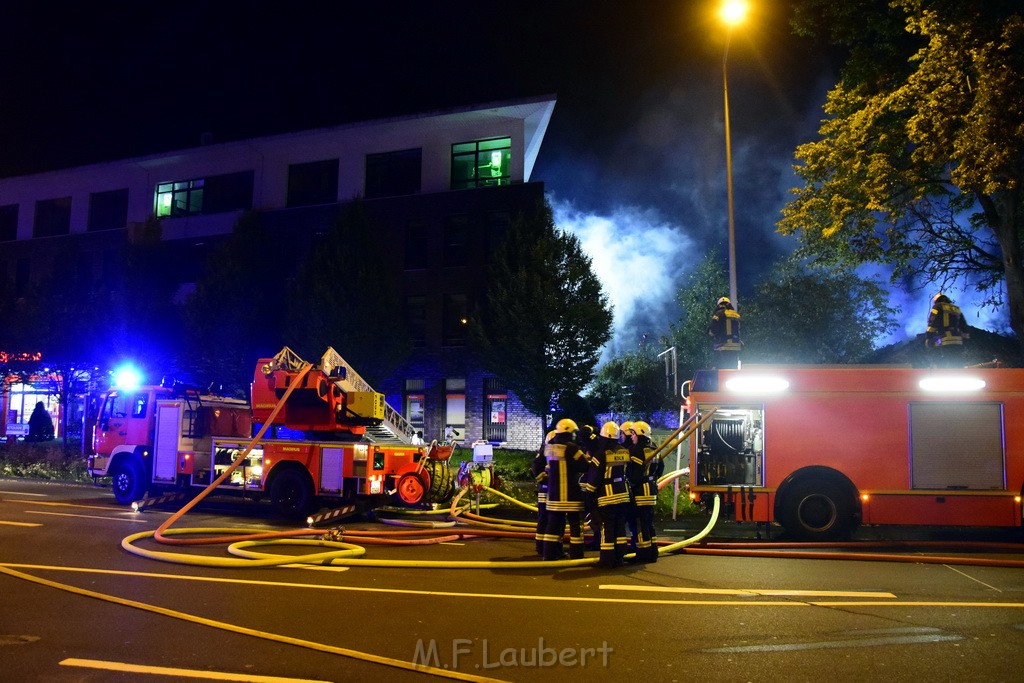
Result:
[[443, 186]]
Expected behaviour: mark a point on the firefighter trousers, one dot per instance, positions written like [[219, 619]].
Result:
[[613, 534], [553, 546]]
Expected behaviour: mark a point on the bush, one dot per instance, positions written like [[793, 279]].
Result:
[[42, 461]]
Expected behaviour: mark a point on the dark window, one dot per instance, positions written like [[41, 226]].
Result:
[[393, 173], [108, 210], [481, 163], [416, 244], [8, 223], [456, 231], [313, 183], [53, 217], [416, 319], [455, 320], [22, 270], [229, 192]]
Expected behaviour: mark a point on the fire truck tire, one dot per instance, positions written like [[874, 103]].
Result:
[[291, 493], [817, 510], [127, 482], [413, 487]]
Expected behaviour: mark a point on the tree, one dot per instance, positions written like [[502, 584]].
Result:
[[631, 384], [346, 296], [234, 316], [696, 297], [546, 316], [814, 315], [919, 162]]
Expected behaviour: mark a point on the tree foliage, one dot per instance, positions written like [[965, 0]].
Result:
[[546, 317], [631, 384], [920, 161], [346, 296]]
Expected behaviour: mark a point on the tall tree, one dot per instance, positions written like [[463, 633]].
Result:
[[919, 161], [347, 296], [814, 315], [234, 315], [546, 316]]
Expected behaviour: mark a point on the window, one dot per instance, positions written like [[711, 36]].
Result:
[[415, 402], [313, 183], [108, 210], [455, 321], [8, 223], [230, 192], [456, 230], [393, 173], [416, 320], [416, 244], [455, 407], [481, 163], [495, 417], [53, 217], [22, 270]]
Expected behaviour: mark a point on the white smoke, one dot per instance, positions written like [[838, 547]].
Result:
[[638, 258]]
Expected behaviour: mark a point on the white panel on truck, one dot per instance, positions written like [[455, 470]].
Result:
[[166, 440]]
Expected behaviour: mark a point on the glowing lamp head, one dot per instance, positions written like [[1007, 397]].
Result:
[[127, 378], [733, 12], [951, 384], [756, 384]]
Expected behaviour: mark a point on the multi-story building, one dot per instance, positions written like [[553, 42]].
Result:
[[440, 184]]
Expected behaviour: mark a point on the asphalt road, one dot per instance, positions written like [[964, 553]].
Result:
[[76, 606]]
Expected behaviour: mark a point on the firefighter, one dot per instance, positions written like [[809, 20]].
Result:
[[643, 473], [540, 474], [587, 438], [566, 461], [626, 439], [608, 471], [946, 333], [724, 331]]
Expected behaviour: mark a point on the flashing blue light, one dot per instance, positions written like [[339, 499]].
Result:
[[127, 378]]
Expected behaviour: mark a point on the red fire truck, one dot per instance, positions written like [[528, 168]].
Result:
[[822, 449], [345, 440]]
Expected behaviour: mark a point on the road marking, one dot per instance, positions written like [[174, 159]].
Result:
[[191, 673], [502, 596], [748, 591], [108, 508], [69, 514], [833, 644], [23, 493], [964, 574], [21, 523]]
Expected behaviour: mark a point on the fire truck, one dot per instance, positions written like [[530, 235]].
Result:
[[333, 438], [823, 449]]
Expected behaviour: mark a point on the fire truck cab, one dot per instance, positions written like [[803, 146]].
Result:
[[822, 449]]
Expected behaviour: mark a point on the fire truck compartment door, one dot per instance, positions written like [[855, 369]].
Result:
[[957, 446], [331, 462], [166, 440]]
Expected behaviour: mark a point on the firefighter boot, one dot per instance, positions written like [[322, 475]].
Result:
[[609, 559], [575, 551], [648, 555], [553, 551]]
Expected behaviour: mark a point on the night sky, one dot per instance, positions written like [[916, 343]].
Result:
[[634, 157]]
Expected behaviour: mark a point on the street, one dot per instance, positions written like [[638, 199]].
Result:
[[77, 606]]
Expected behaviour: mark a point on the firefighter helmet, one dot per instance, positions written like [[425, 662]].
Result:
[[723, 300], [642, 428], [939, 297], [610, 430], [625, 427], [551, 435], [565, 425]]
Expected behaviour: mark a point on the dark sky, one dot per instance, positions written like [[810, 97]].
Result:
[[636, 138]]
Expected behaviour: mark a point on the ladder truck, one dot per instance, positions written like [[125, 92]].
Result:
[[333, 439]]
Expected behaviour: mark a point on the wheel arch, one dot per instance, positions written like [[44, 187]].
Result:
[[818, 473]]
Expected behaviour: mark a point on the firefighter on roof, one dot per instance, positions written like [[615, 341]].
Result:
[[724, 331], [607, 474], [566, 461], [946, 333], [643, 472], [539, 469]]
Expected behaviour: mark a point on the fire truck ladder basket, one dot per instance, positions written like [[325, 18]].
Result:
[[394, 427]]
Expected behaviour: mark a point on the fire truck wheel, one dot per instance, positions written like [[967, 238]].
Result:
[[291, 494], [817, 510], [126, 481], [412, 488]]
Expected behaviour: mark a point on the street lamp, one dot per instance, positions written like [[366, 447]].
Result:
[[732, 13]]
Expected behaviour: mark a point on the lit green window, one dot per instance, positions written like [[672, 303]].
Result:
[[179, 199], [481, 163]]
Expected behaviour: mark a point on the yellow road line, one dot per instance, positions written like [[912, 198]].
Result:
[[21, 523], [503, 596], [71, 514], [748, 591], [22, 493], [191, 673], [244, 630], [108, 508]]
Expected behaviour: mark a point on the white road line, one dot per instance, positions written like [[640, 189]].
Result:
[[834, 644], [22, 493], [20, 523], [972, 578], [191, 673], [68, 514], [748, 591]]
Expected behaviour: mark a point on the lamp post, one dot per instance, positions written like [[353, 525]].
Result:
[[732, 13]]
